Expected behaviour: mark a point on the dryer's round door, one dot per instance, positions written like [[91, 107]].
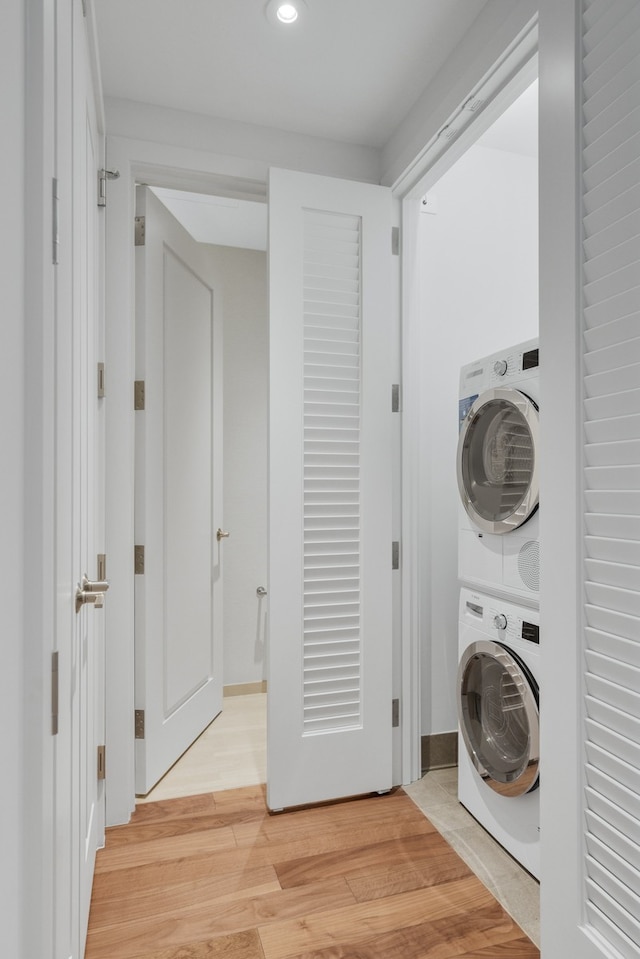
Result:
[[497, 463], [499, 717]]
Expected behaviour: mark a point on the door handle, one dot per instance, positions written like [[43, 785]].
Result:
[[91, 591], [222, 534], [260, 592]]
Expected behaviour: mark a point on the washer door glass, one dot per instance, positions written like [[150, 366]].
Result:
[[497, 468], [499, 718]]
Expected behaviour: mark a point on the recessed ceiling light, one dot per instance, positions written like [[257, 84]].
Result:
[[287, 13], [279, 12]]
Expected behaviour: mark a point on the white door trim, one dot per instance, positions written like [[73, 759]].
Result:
[[156, 165], [508, 79]]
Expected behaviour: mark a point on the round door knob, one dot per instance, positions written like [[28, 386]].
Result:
[[500, 621], [500, 367], [222, 534]]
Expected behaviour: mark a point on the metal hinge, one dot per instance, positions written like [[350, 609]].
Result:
[[138, 560], [55, 236], [395, 554], [100, 381], [139, 723], [395, 240], [139, 231], [395, 398], [103, 176], [138, 395], [102, 761], [395, 712], [54, 693], [102, 566]]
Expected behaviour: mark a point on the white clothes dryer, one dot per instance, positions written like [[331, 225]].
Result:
[[497, 473], [498, 721]]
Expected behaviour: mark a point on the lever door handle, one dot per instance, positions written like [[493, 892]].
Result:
[[91, 591], [222, 534], [94, 585]]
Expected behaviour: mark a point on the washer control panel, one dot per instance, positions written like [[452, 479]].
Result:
[[510, 622]]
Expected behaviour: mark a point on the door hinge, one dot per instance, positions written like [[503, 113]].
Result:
[[395, 554], [138, 562], [55, 235], [100, 381], [395, 398], [102, 761], [138, 395], [139, 231], [102, 566], [139, 723], [395, 712], [54, 693], [103, 176], [395, 240]]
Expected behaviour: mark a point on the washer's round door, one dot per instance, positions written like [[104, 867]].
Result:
[[499, 717], [497, 463]]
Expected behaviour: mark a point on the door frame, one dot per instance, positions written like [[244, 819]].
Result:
[[153, 164], [510, 76]]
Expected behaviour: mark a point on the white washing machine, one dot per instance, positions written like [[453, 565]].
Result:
[[497, 471], [499, 728]]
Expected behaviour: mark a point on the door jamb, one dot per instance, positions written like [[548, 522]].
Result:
[[510, 77]]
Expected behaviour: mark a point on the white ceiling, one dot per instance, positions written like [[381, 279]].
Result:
[[348, 70], [219, 220]]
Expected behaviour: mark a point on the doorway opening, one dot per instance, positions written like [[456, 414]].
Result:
[[231, 750]]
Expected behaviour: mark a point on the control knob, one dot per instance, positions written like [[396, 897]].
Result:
[[500, 621], [500, 367]]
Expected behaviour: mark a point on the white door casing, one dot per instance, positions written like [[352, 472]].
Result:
[[330, 635], [79, 498], [178, 645]]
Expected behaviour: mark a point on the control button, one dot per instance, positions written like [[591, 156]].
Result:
[[500, 621], [500, 367]]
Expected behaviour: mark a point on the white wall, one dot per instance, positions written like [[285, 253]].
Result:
[[479, 256], [245, 460], [260, 147]]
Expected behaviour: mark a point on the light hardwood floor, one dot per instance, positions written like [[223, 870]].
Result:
[[216, 877], [231, 754]]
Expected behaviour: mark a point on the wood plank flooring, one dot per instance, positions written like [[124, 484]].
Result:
[[214, 876]]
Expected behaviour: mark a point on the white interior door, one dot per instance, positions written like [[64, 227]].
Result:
[[79, 444], [330, 633], [178, 645]]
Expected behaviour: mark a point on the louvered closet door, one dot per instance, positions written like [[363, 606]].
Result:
[[611, 183], [329, 679]]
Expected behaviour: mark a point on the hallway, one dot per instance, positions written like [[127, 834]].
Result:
[[215, 876]]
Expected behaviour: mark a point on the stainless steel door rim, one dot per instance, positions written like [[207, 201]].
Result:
[[499, 717], [497, 469]]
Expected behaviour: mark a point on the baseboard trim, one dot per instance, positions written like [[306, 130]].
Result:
[[245, 689], [439, 751]]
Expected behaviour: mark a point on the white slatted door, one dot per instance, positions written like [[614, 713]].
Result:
[[329, 678], [611, 196]]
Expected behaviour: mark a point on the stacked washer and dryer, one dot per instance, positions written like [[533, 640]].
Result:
[[498, 567]]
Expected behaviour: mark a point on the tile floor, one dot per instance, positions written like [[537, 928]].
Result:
[[231, 752], [436, 794]]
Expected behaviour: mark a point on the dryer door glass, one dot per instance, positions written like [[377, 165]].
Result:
[[499, 719], [497, 471]]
